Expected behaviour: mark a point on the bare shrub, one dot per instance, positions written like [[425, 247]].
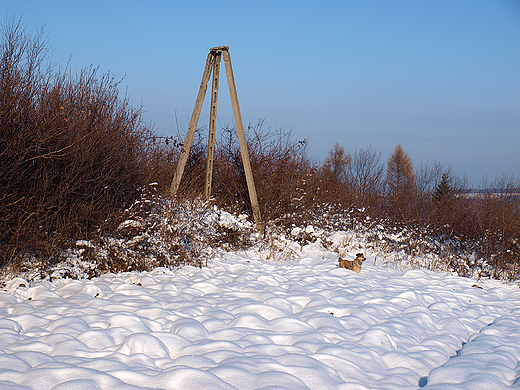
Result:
[[193, 178], [71, 151], [160, 232], [496, 224], [280, 167]]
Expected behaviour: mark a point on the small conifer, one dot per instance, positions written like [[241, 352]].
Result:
[[444, 191]]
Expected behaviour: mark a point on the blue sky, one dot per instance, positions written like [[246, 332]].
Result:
[[441, 78]]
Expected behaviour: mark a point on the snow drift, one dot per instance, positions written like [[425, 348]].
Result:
[[247, 323]]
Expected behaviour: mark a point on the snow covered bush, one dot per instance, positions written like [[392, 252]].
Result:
[[153, 232]]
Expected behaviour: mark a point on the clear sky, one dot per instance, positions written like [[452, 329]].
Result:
[[442, 78]]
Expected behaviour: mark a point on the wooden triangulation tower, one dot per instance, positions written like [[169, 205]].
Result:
[[213, 67]]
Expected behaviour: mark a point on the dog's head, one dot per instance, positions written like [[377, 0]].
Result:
[[360, 256]]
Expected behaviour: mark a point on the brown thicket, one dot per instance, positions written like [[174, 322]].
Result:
[[280, 167], [458, 222], [72, 152], [293, 190]]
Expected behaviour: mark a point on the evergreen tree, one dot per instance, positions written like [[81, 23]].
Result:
[[444, 191]]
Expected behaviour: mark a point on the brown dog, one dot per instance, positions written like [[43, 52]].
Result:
[[354, 265]]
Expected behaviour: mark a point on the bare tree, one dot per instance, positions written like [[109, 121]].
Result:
[[336, 164], [428, 177], [366, 172]]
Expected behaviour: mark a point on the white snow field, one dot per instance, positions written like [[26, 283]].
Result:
[[247, 323]]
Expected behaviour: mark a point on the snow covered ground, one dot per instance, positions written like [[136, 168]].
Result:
[[248, 323]]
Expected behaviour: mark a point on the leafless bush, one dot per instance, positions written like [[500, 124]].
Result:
[[71, 151], [496, 226], [157, 232], [280, 167], [193, 179]]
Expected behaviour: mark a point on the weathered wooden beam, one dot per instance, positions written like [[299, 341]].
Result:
[[185, 151], [242, 139], [212, 126]]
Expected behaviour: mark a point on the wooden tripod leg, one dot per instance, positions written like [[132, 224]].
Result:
[[185, 151], [242, 141], [212, 118]]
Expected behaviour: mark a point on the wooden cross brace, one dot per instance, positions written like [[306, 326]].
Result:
[[213, 67]]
